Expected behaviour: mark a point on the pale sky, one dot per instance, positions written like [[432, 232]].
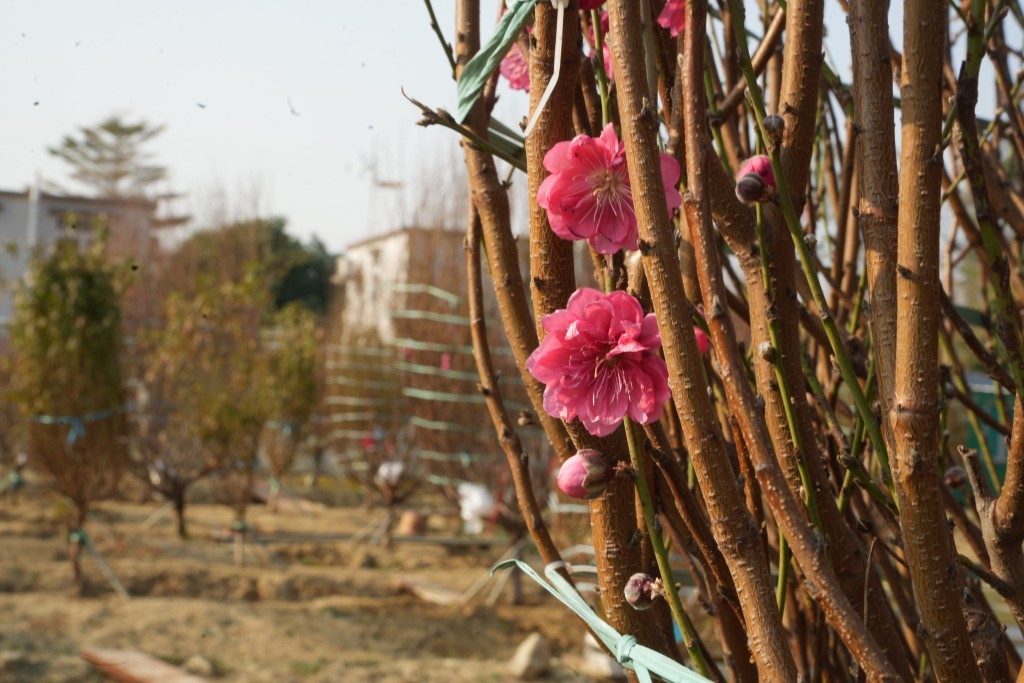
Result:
[[69, 63], [224, 76]]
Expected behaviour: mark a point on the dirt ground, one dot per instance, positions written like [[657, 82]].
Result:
[[315, 611]]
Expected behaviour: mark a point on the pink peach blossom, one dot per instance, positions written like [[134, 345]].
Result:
[[673, 17], [584, 475], [515, 69], [588, 194], [599, 362]]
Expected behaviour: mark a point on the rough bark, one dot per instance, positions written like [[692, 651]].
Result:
[[914, 413], [736, 223], [878, 182], [552, 279]]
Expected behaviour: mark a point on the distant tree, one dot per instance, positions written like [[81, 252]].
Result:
[[66, 335], [295, 272], [165, 436], [109, 158], [224, 387], [12, 429], [294, 390]]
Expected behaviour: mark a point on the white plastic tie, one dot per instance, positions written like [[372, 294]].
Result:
[[560, 5]]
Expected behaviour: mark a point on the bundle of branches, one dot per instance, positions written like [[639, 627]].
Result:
[[818, 519]]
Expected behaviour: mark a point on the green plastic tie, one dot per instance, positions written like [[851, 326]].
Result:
[[484, 62], [642, 660]]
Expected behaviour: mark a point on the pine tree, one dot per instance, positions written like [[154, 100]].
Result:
[[110, 159]]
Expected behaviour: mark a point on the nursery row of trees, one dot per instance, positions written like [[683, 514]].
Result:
[[218, 366]]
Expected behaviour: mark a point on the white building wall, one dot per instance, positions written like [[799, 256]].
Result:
[[367, 270], [14, 249]]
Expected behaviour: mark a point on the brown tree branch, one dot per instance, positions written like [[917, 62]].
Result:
[[914, 413], [518, 460], [491, 200]]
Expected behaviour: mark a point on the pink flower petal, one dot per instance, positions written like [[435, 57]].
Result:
[[673, 17], [515, 69], [588, 194], [599, 362], [761, 166]]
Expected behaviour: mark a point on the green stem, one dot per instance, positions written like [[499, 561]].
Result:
[[602, 77], [716, 130], [858, 307], [854, 468], [985, 135], [671, 594], [441, 117], [785, 555], [783, 382], [979, 433], [1007, 317], [844, 490], [806, 257]]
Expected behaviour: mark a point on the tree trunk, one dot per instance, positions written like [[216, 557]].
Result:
[[914, 414], [75, 557], [179, 511]]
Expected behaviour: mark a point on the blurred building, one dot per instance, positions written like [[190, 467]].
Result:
[[402, 385], [373, 277], [32, 219]]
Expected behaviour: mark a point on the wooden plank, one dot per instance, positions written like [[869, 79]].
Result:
[[132, 666]]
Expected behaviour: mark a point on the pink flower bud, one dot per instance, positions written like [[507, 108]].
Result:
[[584, 475], [774, 126], [755, 181], [703, 343], [642, 590], [956, 477], [750, 189]]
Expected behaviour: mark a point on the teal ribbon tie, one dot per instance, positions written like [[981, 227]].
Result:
[[287, 428], [482, 65], [76, 423], [644, 661]]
